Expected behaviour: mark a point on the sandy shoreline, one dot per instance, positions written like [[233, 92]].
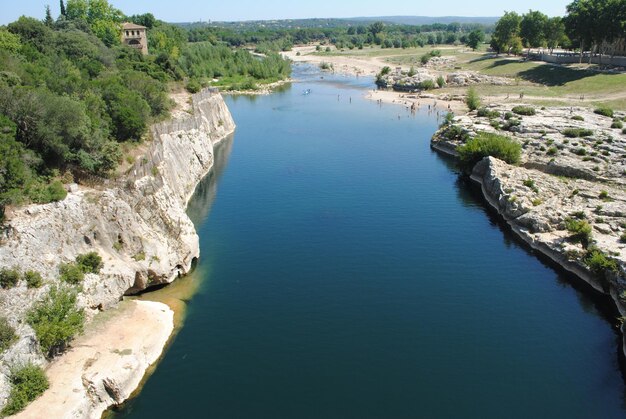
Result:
[[105, 365]]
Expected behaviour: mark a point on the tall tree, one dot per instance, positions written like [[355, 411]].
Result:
[[475, 38], [532, 29], [48, 20], [506, 36], [555, 32], [62, 5]]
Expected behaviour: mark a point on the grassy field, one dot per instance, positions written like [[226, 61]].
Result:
[[541, 83]]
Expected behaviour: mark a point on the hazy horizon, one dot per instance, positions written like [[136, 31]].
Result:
[[245, 10]]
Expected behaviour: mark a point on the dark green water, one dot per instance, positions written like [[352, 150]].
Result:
[[347, 273]]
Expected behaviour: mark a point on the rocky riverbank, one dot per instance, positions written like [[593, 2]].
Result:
[[572, 172], [137, 224]]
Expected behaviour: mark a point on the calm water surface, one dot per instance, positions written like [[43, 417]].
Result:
[[347, 273]]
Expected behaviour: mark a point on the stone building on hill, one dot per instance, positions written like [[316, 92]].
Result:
[[135, 37]]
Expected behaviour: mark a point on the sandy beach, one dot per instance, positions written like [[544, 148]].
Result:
[[107, 364]]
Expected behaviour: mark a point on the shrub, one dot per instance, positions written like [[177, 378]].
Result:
[[33, 279], [524, 110], [604, 195], [427, 85], [536, 202], [622, 238], [624, 131], [441, 81], [580, 151], [488, 144], [580, 229], [90, 262], [455, 133], [28, 383], [7, 334], [577, 132], [193, 86], [472, 100], [486, 113], [9, 277], [617, 124], [578, 118], [71, 273], [605, 111], [56, 319], [551, 151], [599, 264]]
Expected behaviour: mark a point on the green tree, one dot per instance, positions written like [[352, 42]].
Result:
[[56, 320], [506, 35], [488, 144], [9, 41], [48, 21], [554, 32], [62, 7], [475, 38], [532, 29]]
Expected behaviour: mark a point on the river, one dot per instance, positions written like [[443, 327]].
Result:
[[347, 272]]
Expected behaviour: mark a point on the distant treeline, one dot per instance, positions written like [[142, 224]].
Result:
[[71, 95], [349, 36]]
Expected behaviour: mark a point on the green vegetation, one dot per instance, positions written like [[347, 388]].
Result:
[[580, 229], [578, 118], [27, 383], [71, 273], [7, 334], [622, 238], [577, 132], [487, 113], [604, 195], [604, 111], [33, 279], [90, 262], [9, 277], [599, 263], [472, 99], [488, 144], [56, 319], [524, 110], [617, 124]]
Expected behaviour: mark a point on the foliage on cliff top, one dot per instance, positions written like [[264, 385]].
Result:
[[488, 144]]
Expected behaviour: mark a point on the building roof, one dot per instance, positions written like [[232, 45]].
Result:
[[129, 25]]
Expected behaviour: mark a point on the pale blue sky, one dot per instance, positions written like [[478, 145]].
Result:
[[194, 10]]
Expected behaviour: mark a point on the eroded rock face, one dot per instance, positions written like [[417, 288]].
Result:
[[138, 225]]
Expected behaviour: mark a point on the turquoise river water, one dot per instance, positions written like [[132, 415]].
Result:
[[348, 272]]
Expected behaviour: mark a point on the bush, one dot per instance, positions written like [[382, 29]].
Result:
[[487, 144], [524, 110], [9, 277], [427, 85], [577, 132], [28, 383], [7, 334], [455, 133], [56, 320], [193, 86], [599, 264], [580, 229], [617, 124], [472, 100], [33, 279], [71, 273], [441, 81], [622, 238], [486, 113], [604, 195], [90, 262], [578, 118], [605, 111]]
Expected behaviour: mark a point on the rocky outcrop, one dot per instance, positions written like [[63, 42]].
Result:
[[560, 179], [138, 225], [468, 78]]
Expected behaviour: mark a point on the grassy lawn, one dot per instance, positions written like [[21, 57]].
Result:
[[548, 84]]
